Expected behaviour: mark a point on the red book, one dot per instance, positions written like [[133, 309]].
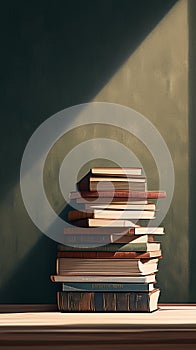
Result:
[[116, 194], [109, 255]]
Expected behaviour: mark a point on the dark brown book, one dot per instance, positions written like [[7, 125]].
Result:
[[91, 222], [108, 301], [104, 183], [108, 255], [116, 194]]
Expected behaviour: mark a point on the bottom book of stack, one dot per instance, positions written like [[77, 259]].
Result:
[[71, 301]]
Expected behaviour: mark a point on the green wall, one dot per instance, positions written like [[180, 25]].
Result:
[[55, 55]]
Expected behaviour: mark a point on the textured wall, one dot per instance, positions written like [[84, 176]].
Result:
[[54, 56]]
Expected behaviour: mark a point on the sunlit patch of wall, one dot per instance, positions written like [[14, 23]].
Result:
[[154, 81]]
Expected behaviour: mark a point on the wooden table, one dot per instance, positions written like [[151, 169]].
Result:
[[171, 327]]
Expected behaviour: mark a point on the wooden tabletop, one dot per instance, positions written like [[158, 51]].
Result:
[[172, 326]]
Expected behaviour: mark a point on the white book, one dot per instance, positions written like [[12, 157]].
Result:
[[117, 179], [105, 279], [122, 206], [123, 214], [117, 171], [111, 223]]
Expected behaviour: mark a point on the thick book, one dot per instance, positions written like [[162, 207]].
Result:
[[71, 252], [108, 301], [129, 247], [107, 287], [104, 184], [104, 267], [119, 194], [104, 279], [111, 214], [139, 230]]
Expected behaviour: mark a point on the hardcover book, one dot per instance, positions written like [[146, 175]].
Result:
[[69, 301], [107, 287], [121, 206], [111, 214], [117, 247], [119, 194], [104, 267], [111, 171], [104, 279], [93, 253], [136, 230], [132, 184], [106, 238]]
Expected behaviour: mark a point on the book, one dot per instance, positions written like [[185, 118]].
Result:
[[104, 183], [68, 301], [123, 214], [139, 230], [104, 267], [135, 179], [121, 206], [129, 247], [119, 194], [107, 287], [106, 238], [111, 214], [90, 253], [108, 200], [103, 279], [120, 247], [114, 171], [88, 222]]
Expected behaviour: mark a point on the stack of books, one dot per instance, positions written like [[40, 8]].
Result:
[[111, 258]]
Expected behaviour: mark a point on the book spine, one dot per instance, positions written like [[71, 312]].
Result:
[[103, 279], [92, 223], [83, 184], [117, 194], [105, 255], [113, 247], [110, 200], [108, 287], [132, 186], [107, 171], [77, 214], [104, 301], [105, 238], [92, 239], [122, 214], [85, 247]]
